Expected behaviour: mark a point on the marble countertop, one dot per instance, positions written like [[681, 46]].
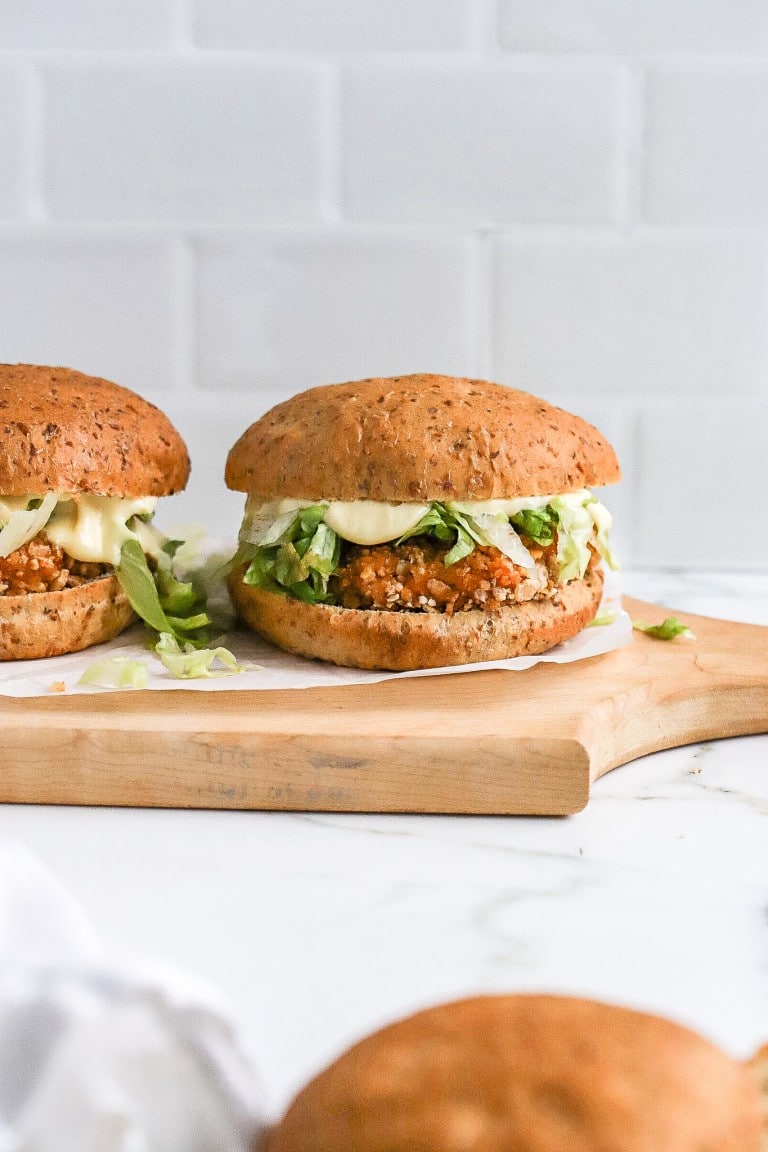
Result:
[[319, 928]]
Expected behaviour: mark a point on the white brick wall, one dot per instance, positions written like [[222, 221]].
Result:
[[61, 24], [219, 203], [651, 314], [483, 144], [332, 25], [708, 144], [181, 141], [635, 26], [87, 298], [11, 143], [399, 302]]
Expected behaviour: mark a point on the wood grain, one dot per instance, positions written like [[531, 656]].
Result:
[[485, 742]]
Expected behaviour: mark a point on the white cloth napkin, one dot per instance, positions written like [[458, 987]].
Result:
[[98, 1058]]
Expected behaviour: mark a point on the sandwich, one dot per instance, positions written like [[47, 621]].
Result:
[[82, 465], [419, 521], [531, 1073]]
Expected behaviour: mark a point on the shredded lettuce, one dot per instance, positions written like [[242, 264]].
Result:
[[152, 540], [116, 672], [667, 630], [185, 662], [295, 552], [184, 545], [576, 520], [575, 532], [444, 522], [23, 526], [499, 533], [538, 524], [263, 528], [603, 522], [161, 600], [295, 556], [603, 619]]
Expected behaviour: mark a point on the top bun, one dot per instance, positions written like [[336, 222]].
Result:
[[414, 438], [62, 431], [529, 1073]]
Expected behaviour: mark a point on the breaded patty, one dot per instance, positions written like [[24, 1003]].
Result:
[[40, 566], [413, 575]]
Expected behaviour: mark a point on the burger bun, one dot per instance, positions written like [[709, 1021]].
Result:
[[527, 1073]]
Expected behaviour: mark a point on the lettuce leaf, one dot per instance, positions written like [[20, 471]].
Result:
[[185, 662], [603, 619], [116, 672], [667, 630], [498, 532], [603, 522], [24, 526], [161, 600], [444, 523], [296, 552], [438, 522], [575, 532], [538, 524], [295, 556]]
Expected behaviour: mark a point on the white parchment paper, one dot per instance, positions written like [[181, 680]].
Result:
[[278, 669]]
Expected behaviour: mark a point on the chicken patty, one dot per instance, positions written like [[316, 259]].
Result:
[[40, 566], [413, 576]]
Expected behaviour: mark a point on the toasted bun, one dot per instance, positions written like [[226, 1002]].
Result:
[[61, 431], [401, 641], [529, 1074], [52, 623], [422, 437]]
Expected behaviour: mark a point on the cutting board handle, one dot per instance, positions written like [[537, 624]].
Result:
[[682, 691]]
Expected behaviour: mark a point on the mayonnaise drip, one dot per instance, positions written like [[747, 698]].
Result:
[[86, 526], [377, 522]]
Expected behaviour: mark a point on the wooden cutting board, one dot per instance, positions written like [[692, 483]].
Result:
[[486, 742]]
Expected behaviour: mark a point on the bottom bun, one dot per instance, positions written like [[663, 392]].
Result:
[[402, 641], [529, 1074], [51, 623]]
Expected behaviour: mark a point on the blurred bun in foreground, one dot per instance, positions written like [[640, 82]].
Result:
[[527, 1073]]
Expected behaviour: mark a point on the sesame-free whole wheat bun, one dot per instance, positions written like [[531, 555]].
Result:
[[443, 494], [89, 455], [527, 1073], [62, 431], [417, 438]]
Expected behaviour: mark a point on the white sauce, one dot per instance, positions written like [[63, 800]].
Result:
[[87, 527], [376, 522], [373, 522]]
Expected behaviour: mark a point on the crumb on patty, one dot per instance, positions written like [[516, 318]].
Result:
[[40, 566], [413, 576]]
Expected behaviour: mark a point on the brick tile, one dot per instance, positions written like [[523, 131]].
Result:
[[334, 25], [702, 480], [707, 145], [11, 144], [530, 143], [122, 24], [164, 142], [304, 310], [631, 26], [101, 305], [655, 315]]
